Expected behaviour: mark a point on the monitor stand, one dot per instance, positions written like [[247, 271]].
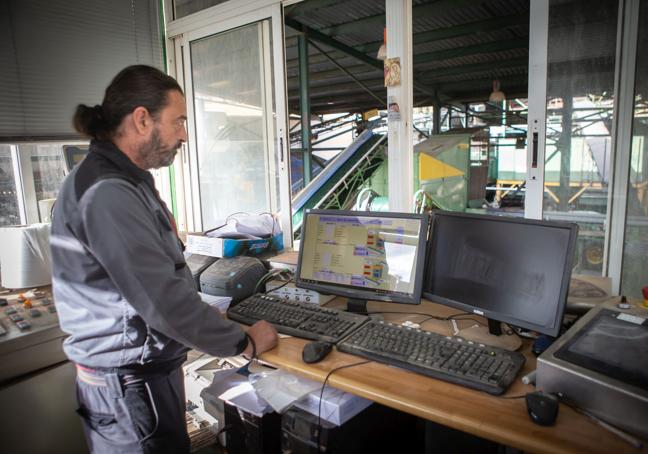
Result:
[[494, 327], [484, 335], [357, 306]]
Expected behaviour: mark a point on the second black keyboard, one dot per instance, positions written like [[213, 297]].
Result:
[[299, 319], [451, 359]]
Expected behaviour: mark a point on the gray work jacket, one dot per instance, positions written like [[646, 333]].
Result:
[[121, 286]]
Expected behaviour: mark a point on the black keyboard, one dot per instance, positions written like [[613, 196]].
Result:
[[451, 359], [299, 319]]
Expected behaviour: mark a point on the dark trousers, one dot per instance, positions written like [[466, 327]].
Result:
[[133, 414]]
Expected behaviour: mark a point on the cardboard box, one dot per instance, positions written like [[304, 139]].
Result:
[[199, 243], [337, 406]]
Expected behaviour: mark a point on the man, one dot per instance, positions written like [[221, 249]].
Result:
[[121, 285]]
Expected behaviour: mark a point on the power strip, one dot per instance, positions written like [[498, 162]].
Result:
[[291, 293]]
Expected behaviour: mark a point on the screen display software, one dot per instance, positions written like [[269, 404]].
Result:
[[508, 269], [364, 252]]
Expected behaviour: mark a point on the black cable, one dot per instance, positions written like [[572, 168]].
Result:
[[319, 407], [225, 428], [266, 277], [284, 284], [513, 397], [407, 313], [466, 318], [431, 317]]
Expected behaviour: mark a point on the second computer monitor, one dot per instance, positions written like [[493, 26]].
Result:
[[363, 255], [507, 269]]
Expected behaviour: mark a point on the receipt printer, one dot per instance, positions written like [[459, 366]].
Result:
[[197, 264], [235, 277]]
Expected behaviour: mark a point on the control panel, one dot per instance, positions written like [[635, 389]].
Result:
[[30, 336], [289, 292]]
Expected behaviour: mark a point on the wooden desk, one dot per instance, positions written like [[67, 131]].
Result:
[[499, 419]]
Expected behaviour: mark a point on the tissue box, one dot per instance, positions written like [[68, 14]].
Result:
[[199, 243], [337, 406]]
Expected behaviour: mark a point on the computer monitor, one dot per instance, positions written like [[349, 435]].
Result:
[[506, 269], [74, 154], [363, 255]]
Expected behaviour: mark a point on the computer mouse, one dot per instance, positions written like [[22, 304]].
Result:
[[542, 408], [316, 351]]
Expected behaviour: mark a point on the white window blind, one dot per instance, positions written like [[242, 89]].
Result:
[[55, 54]]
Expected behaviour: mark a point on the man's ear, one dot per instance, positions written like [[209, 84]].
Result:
[[142, 120]]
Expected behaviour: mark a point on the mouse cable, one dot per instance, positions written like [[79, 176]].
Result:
[[511, 397], [319, 406]]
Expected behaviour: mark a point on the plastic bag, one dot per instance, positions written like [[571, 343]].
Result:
[[281, 389]]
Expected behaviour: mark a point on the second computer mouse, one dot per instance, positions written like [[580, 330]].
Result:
[[542, 408], [316, 351]]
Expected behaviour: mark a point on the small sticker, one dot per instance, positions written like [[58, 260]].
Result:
[[631, 318]]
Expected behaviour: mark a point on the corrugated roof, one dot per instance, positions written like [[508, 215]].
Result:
[[491, 31]]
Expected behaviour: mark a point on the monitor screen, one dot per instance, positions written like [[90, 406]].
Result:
[[363, 255], [507, 269], [74, 154]]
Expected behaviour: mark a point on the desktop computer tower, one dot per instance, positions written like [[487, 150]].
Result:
[[375, 429], [246, 433]]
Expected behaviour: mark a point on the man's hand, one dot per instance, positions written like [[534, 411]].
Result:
[[264, 336]]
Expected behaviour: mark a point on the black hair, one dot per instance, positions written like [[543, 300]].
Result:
[[134, 86]]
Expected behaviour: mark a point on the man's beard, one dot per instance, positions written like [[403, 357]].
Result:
[[154, 154]]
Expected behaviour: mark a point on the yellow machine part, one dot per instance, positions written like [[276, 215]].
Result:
[[433, 169]]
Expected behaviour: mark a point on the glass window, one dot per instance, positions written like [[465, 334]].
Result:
[[9, 212], [48, 171], [182, 8], [234, 123], [634, 275], [580, 91]]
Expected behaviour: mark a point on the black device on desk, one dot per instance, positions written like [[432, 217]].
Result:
[[198, 263], [235, 277], [507, 269], [363, 256]]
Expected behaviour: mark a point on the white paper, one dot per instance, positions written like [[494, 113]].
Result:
[[219, 302], [25, 256]]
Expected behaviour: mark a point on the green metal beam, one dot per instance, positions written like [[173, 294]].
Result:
[[357, 70], [477, 67], [330, 73], [304, 106], [471, 28], [377, 21], [356, 80], [374, 62], [309, 6], [347, 87], [493, 46], [324, 39]]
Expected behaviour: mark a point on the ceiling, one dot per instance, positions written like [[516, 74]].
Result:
[[459, 47]]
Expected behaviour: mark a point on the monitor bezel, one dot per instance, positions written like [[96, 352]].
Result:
[[364, 294], [551, 330]]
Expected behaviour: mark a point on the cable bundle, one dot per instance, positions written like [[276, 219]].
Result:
[[25, 256]]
